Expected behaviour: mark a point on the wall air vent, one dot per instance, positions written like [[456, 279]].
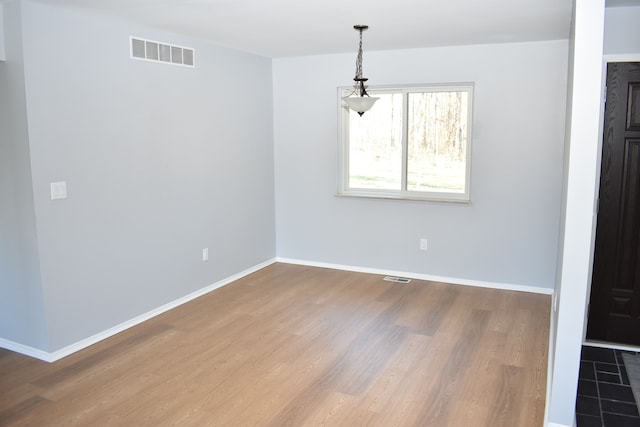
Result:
[[150, 50], [397, 279]]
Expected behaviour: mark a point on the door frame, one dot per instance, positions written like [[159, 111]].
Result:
[[606, 59]]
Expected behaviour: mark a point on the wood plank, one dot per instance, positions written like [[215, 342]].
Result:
[[295, 345]]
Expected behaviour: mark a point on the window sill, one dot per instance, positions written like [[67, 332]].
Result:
[[404, 197]]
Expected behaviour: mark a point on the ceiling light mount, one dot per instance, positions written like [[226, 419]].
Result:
[[359, 100]]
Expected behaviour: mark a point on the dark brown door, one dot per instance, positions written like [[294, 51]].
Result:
[[614, 312]]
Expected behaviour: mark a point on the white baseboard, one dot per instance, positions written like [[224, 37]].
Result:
[[419, 276], [612, 346], [457, 281], [77, 346], [25, 349], [550, 354]]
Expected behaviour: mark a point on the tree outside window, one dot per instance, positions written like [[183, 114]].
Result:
[[413, 144]]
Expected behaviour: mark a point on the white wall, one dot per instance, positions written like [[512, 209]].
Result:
[[621, 38], [160, 161], [508, 234], [622, 30], [22, 317], [579, 203]]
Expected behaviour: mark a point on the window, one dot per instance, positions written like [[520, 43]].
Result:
[[413, 144]]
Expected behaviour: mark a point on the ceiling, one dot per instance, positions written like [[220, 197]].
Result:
[[281, 28]]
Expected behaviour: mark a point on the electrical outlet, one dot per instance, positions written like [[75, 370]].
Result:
[[205, 254], [423, 244], [58, 190]]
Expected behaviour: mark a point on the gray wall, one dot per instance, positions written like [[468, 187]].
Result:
[[622, 30], [2, 53], [160, 161], [21, 306], [509, 232]]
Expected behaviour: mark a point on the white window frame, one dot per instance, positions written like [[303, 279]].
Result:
[[403, 193]]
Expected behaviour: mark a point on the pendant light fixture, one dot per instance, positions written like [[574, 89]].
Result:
[[359, 100]]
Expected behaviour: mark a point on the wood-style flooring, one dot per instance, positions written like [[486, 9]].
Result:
[[302, 346]]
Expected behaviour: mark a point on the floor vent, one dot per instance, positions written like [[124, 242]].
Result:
[[150, 50], [397, 279]]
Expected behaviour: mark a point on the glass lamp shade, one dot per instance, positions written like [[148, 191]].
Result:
[[360, 104]]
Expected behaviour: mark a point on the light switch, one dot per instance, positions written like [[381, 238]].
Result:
[[58, 190]]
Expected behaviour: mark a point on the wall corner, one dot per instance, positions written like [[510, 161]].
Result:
[[3, 56]]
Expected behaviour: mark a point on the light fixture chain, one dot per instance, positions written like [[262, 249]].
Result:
[[361, 101], [359, 59]]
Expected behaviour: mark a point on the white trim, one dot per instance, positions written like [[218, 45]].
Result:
[[457, 281], [550, 353], [612, 346], [623, 57], [25, 349], [401, 196], [420, 276], [344, 189], [77, 346], [66, 351]]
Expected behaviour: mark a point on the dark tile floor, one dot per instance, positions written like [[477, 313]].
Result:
[[604, 395]]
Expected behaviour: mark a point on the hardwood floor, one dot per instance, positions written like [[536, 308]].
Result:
[[301, 346]]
